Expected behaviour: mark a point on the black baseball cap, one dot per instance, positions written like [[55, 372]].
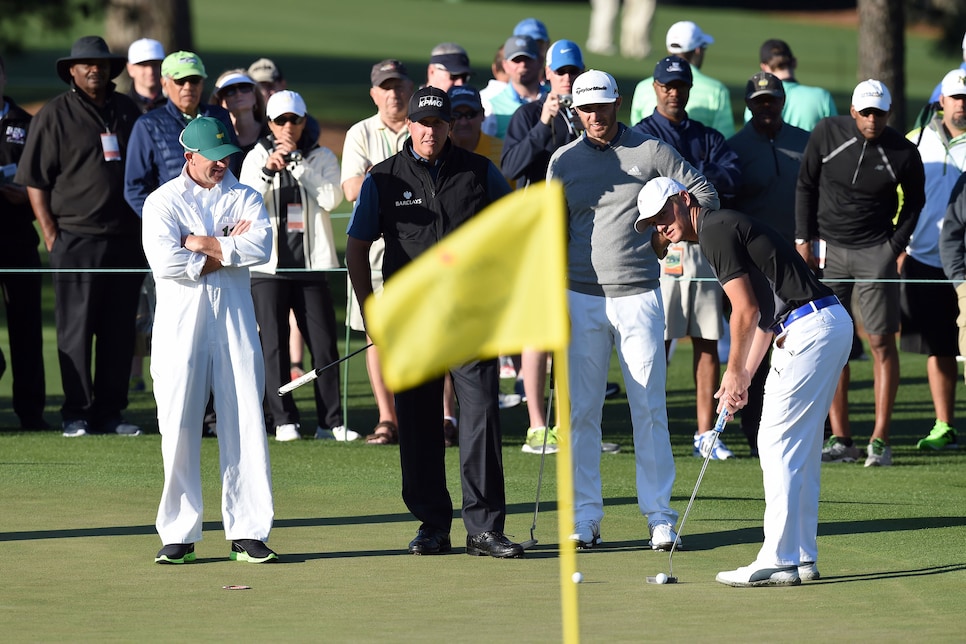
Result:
[[762, 84], [429, 102]]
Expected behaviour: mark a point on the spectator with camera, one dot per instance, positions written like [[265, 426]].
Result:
[[299, 181]]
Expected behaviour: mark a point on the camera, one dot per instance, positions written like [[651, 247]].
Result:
[[566, 100], [294, 156]]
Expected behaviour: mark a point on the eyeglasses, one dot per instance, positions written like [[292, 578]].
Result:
[[459, 77], [288, 118], [231, 90], [193, 80], [468, 115]]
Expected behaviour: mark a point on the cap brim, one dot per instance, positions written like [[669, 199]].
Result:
[[220, 152], [764, 92]]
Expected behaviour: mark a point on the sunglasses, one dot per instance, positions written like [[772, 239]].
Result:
[[288, 118], [468, 115], [459, 77], [231, 90], [193, 80], [870, 111]]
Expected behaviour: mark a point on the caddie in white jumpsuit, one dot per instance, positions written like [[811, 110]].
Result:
[[201, 232]]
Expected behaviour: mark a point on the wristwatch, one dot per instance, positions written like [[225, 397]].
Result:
[[799, 242]]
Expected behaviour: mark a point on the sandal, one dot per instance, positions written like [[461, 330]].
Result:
[[389, 435]]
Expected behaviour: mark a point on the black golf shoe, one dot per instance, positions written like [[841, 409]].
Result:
[[176, 553], [430, 541], [252, 551], [494, 544]]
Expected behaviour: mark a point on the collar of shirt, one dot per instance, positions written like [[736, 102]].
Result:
[[621, 128]]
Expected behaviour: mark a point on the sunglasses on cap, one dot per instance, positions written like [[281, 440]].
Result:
[[288, 118], [231, 90], [193, 80], [469, 115]]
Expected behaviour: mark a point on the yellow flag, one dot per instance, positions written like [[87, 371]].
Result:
[[494, 286]]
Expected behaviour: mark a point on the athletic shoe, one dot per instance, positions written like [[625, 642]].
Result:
[[942, 436], [507, 370], [509, 400], [76, 428], [611, 390], [344, 434], [124, 429], [808, 571], [586, 535], [339, 433], [534, 443], [252, 551], [702, 444], [880, 454], [835, 451], [609, 448], [176, 553], [286, 433], [663, 536], [757, 575]]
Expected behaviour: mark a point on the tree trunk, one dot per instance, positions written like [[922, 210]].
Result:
[[882, 51]]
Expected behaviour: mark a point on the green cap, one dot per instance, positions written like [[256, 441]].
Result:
[[208, 137], [182, 64]]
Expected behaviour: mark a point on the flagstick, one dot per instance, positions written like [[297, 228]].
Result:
[[565, 503]]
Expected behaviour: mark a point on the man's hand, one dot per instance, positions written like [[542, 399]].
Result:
[[805, 250], [733, 392], [660, 243], [550, 108]]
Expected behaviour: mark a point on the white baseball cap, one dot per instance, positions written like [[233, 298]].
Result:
[[686, 36], [954, 83], [594, 86], [143, 50], [652, 198], [285, 102], [871, 93]]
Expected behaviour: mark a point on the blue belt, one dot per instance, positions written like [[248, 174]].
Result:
[[805, 309]]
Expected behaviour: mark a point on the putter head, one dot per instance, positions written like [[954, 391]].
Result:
[[653, 580], [529, 543]]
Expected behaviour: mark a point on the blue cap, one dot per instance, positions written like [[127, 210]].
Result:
[[564, 53], [533, 28], [673, 68]]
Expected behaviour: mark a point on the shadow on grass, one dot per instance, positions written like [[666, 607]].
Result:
[[892, 574]]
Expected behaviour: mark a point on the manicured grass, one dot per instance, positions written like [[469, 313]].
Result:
[[77, 515]]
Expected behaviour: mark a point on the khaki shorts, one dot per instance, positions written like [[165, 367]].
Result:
[[376, 251], [692, 307]]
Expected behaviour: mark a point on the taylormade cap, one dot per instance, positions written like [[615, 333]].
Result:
[[533, 28], [686, 36], [450, 57], [673, 68], [208, 137], [386, 69], [430, 102], [954, 83], [653, 197], [264, 70], [145, 50], [466, 96], [764, 84], [182, 64], [594, 86], [285, 102], [564, 53], [871, 94]]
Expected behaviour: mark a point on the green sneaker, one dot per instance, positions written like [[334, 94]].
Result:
[[942, 436], [535, 441]]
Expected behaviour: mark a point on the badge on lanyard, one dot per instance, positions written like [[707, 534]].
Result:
[[112, 148], [295, 217], [674, 261]]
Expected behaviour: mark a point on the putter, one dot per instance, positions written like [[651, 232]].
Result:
[[532, 541], [312, 375], [717, 429]]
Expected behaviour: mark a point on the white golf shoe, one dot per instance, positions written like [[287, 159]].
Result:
[[663, 536], [760, 575], [586, 535], [808, 571], [287, 433]]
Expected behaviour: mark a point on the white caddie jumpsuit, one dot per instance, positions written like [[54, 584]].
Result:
[[205, 340]]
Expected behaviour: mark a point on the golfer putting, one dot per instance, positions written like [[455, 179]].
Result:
[[775, 300]]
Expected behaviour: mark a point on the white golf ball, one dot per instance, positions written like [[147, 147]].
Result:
[[661, 578], [577, 577]]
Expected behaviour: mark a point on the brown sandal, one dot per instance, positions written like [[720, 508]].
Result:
[[390, 435]]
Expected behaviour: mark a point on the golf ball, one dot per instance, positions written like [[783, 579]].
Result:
[[577, 577], [661, 578]]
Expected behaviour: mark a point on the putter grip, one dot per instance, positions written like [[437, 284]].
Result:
[[719, 424], [298, 382]]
